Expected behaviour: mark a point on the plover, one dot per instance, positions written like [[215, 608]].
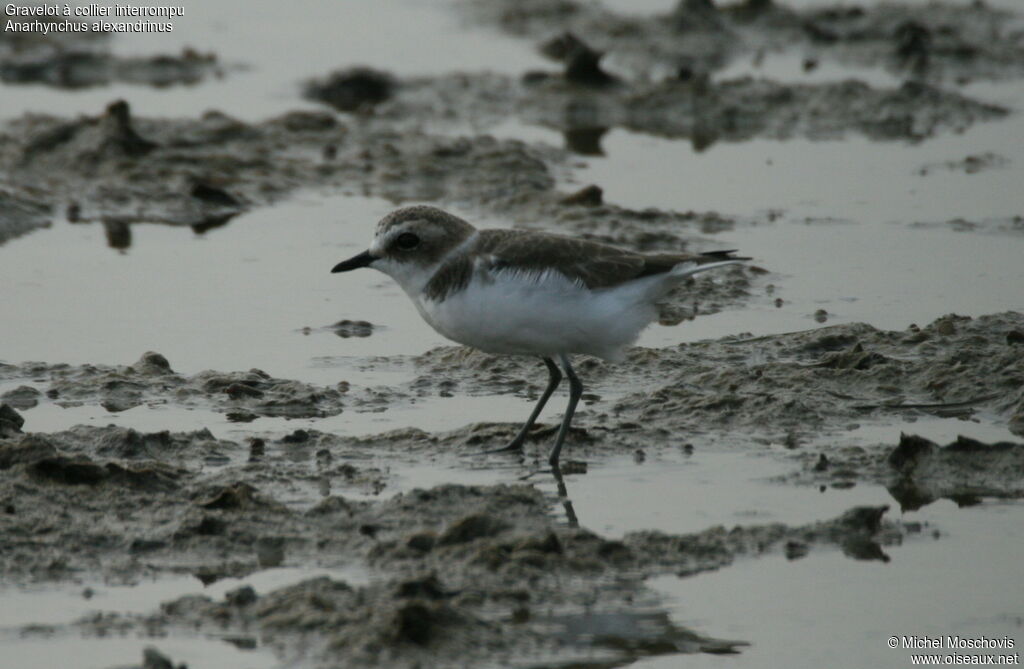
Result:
[[526, 293]]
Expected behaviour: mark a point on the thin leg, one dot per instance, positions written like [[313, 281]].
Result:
[[575, 391], [554, 378]]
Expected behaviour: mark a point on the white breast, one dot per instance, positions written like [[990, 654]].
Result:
[[542, 314]]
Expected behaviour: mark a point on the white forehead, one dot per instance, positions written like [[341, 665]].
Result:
[[387, 230]]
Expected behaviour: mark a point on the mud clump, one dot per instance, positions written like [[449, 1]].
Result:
[[510, 582], [470, 528], [453, 565], [781, 388], [460, 573], [101, 166], [67, 471], [588, 196], [463, 555], [30, 449], [998, 225], [237, 496], [945, 43], [582, 63], [118, 169], [23, 213], [964, 470], [154, 659], [349, 328], [352, 90], [705, 112], [785, 388], [953, 367], [10, 421], [62, 489], [22, 397], [152, 379], [585, 101], [970, 165]]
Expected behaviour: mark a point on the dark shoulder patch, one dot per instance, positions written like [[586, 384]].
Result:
[[590, 263], [451, 277]]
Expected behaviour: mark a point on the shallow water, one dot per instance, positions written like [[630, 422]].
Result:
[[280, 45], [33, 620], [62, 604], [46, 652], [783, 608], [955, 577], [193, 297], [856, 231], [826, 610]]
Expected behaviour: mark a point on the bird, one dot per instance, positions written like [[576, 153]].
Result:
[[524, 292]]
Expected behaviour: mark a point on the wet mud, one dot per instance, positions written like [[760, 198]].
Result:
[[151, 381], [965, 470], [668, 88], [479, 572], [1009, 225], [941, 42], [188, 172], [968, 165], [786, 387], [502, 582], [117, 169], [697, 109], [22, 214]]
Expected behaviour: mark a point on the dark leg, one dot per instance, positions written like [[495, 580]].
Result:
[[554, 378], [575, 391]]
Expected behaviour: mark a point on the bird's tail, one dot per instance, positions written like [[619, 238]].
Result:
[[706, 261]]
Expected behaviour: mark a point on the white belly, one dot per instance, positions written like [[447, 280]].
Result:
[[509, 313]]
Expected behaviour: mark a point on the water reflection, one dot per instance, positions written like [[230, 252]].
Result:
[[585, 141], [118, 230], [211, 223], [634, 634], [118, 234], [563, 495]]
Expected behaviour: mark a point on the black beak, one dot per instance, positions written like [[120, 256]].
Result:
[[362, 260]]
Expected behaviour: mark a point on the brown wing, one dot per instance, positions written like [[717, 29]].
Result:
[[593, 264]]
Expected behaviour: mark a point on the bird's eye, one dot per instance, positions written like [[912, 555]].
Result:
[[406, 241]]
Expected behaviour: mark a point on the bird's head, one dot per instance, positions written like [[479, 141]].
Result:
[[409, 243]]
